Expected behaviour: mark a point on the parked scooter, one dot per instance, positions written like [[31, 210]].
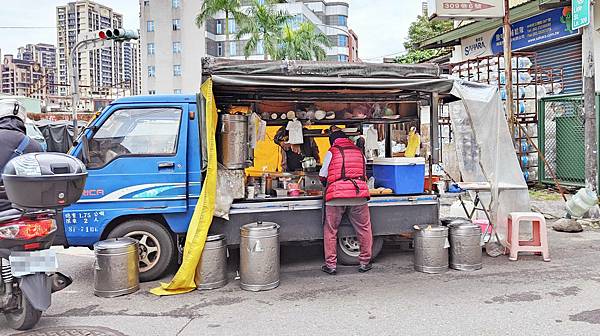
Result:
[[37, 184]]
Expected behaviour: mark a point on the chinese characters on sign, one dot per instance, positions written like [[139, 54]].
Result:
[[466, 9]]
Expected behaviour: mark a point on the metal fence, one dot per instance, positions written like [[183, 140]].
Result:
[[561, 139]]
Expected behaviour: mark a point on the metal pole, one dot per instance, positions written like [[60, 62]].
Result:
[[589, 106], [507, 42], [74, 88], [434, 128]]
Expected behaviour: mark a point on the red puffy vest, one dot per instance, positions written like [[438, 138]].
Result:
[[346, 177]]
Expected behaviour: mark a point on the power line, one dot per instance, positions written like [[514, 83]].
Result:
[[27, 27]]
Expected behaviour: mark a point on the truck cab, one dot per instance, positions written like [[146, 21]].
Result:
[[144, 177]]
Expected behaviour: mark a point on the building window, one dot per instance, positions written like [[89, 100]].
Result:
[[151, 49], [146, 3], [176, 3], [177, 70], [343, 58], [176, 24], [342, 41], [149, 26], [260, 47], [176, 47], [151, 92], [177, 91], [231, 26], [232, 48], [151, 71], [342, 20], [219, 27], [220, 49]]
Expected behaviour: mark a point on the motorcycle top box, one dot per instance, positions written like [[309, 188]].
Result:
[[44, 180]]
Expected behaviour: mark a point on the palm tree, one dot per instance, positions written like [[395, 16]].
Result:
[[305, 43], [262, 22], [211, 7]]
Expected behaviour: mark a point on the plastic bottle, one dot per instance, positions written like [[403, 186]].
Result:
[[581, 202]]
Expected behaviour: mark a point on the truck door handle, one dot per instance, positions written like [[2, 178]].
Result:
[[166, 165]]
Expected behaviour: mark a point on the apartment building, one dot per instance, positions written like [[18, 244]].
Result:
[[18, 77], [101, 70], [168, 31], [45, 55]]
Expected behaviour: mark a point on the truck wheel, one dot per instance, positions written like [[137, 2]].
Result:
[[25, 317], [157, 248], [348, 249]]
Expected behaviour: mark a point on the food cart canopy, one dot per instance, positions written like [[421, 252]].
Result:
[[308, 76]]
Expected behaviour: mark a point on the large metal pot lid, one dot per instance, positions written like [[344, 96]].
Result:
[[261, 226], [115, 243], [430, 228], [215, 237]]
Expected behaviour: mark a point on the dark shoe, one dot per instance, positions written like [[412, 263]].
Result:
[[328, 270], [365, 268]]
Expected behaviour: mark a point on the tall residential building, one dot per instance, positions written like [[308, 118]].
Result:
[[45, 55], [168, 32], [168, 29], [100, 70], [23, 78], [131, 67]]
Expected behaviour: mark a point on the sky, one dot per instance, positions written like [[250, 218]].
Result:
[[381, 25]]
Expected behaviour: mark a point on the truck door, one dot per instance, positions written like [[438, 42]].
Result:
[[137, 164]]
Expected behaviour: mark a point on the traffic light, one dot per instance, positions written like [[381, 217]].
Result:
[[118, 35]]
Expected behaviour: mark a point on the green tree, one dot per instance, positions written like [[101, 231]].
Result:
[[262, 22], [418, 31], [211, 7], [306, 42]]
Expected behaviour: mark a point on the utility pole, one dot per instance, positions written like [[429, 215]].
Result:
[[589, 106], [507, 43]]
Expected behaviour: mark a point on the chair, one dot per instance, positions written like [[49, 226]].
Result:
[[539, 242]]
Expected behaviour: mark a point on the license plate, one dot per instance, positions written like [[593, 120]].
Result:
[[23, 263]]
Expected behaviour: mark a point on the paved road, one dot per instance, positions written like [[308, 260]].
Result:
[[528, 297]]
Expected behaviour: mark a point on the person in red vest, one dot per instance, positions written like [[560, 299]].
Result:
[[344, 170]]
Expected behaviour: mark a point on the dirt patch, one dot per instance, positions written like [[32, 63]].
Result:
[[515, 297], [590, 316], [567, 291], [313, 294]]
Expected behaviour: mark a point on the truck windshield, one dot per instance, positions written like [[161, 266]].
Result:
[[128, 132]]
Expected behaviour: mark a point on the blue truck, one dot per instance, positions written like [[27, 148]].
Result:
[[144, 156]]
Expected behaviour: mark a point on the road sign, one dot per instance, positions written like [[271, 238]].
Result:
[[466, 9], [581, 13]]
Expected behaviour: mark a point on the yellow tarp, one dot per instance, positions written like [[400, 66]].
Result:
[[267, 155], [195, 239]]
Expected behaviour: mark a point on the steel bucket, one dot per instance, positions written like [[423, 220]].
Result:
[[259, 256], [211, 272], [431, 249], [465, 247], [116, 270]]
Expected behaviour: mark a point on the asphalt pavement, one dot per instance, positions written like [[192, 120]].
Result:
[[526, 297]]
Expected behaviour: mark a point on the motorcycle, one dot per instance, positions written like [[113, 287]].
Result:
[[37, 184]]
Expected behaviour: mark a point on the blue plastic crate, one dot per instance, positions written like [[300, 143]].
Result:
[[405, 176]]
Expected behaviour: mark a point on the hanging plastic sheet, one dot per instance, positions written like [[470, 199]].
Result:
[[484, 143], [183, 281]]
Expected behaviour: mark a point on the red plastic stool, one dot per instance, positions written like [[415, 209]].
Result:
[[539, 242]]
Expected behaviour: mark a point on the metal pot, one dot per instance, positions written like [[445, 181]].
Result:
[[309, 163], [233, 139]]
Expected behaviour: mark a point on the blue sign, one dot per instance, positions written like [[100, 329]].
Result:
[[545, 27]]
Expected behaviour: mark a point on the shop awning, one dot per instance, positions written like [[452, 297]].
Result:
[[312, 77], [452, 37]]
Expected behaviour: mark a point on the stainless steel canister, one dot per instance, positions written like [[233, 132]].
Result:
[[431, 249], [116, 270], [211, 272], [465, 246], [233, 140], [259, 256]]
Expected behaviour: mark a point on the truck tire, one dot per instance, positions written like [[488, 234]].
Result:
[[348, 249], [157, 247]]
